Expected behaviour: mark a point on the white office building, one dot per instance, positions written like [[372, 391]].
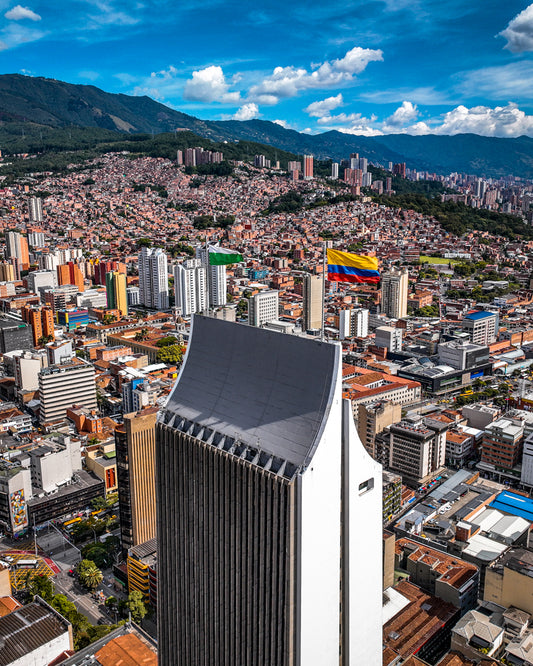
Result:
[[263, 307], [153, 278], [63, 386], [389, 337], [190, 287]]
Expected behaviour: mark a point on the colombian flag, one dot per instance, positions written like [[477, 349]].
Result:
[[346, 267]]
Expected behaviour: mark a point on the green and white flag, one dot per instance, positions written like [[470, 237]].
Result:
[[218, 256]]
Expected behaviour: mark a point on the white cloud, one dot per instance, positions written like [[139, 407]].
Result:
[[404, 114], [503, 121], [159, 85], [519, 32], [289, 81], [512, 81], [3, 46], [247, 112], [19, 13], [283, 123], [323, 107], [209, 85]]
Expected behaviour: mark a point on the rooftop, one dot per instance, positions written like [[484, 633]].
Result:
[[27, 629], [243, 387], [479, 315], [516, 505]]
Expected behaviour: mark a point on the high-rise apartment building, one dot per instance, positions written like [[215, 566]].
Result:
[[153, 278], [41, 320], [70, 274], [62, 386], [190, 287], [335, 170], [117, 298], [394, 288], [313, 287], [135, 449], [35, 209], [17, 248], [308, 167], [218, 295], [353, 323], [36, 237], [268, 508], [263, 307]]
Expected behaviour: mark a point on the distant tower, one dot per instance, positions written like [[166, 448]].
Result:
[[335, 170], [17, 248], [35, 209], [115, 286], [269, 508], [308, 167], [312, 302], [394, 286]]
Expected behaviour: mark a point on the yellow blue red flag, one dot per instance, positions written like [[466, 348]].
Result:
[[347, 267]]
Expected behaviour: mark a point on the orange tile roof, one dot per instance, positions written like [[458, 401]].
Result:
[[127, 650]]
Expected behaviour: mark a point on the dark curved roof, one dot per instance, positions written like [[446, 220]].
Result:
[[268, 390]]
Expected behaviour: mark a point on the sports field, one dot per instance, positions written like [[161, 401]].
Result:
[[437, 260]]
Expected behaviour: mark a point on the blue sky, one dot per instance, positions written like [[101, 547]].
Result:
[[372, 67]]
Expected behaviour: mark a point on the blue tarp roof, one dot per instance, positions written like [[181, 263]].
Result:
[[479, 315], [516, 505]]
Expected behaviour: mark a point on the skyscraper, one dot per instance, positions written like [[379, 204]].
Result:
[[394, 287], [308, 167], [217, 279], [313, 286], [268, 507], [153, 278], [190, 287], [135, 448], [115, 286]]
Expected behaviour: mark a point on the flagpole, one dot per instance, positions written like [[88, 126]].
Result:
[[207, 276], [322, 333]]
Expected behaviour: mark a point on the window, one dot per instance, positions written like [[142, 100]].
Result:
[[366, 486]]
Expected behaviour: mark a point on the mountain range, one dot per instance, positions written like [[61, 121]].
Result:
[[56, 104]]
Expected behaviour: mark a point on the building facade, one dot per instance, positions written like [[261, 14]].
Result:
[[153, 278], [135, 450], [263, 307], [313, 288], [190, 287], [54, 395], [253, 460], [394, 288]]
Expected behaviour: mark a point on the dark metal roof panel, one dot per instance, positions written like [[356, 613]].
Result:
[[269, 390]]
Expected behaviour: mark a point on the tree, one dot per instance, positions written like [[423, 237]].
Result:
[[89, 574], [136, 606], [166, 341], [43, 586], [141, 335], [44, 339], [172, 354]]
